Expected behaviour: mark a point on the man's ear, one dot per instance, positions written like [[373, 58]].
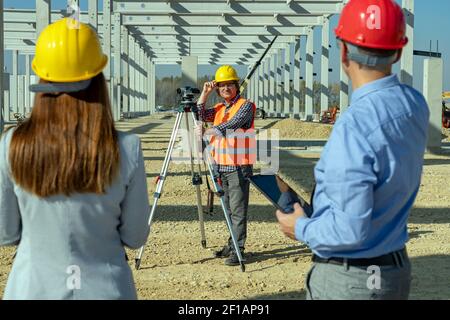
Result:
[[399, 55], [344, 53]]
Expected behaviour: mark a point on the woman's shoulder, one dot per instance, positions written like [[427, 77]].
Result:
[[5, 139], [128, 142]]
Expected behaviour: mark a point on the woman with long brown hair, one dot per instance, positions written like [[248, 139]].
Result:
[[73, 190]]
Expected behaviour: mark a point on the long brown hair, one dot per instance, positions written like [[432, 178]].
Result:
[[68, 145]]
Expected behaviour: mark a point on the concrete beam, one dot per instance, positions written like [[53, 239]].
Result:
[[231, 7], [218, 30], [192, 20]]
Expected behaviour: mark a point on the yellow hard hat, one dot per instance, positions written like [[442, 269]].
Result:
[[226, 73], [68, 51]]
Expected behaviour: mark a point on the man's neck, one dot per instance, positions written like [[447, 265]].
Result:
[[362, 77], [229, 101]]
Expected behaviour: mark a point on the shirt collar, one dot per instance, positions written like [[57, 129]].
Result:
[[382, 83], [232, 101]]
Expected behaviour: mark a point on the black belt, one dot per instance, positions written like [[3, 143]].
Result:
[[393, 258]]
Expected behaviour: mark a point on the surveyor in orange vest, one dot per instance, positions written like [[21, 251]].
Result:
[[234, 150]]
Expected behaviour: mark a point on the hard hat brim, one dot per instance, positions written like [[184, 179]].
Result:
[[53, 87]]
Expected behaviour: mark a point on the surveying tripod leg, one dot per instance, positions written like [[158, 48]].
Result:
[[161, 180], [218, 188], [196, 181]]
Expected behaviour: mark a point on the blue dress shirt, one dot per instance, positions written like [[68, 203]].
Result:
[[369, 174]]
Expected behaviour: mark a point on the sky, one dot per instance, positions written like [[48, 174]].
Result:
[[432, 23]]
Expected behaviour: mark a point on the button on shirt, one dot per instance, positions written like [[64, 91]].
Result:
[[369, 174]]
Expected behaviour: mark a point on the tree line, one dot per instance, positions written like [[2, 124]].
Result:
[[167, 97]]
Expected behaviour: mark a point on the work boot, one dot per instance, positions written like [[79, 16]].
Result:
[[233, 260], [223, 253]]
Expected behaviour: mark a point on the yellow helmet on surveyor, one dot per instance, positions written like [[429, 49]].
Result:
[[68, 55], [226, 73]]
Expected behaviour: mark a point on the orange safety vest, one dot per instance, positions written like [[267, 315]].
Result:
[[237, 148]]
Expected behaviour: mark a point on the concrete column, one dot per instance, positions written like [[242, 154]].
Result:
[[260, 103], [279, 87], [287, 81], [93, 13], [252, 86], [107, 43], [432, 90], [143, 77], [139, 78], [27, 85], [21, 94], [15, 82], [132, 71], [136, 78], [325, 65], [407, 61], [6, 84], [255, 87], [248, 90], [266, 95], [343, 95], [297, 56], [148, 66], [43, 16], [125, 72], [117, 67], [272, 85], [189, 71], [309, 95], [153, 86]]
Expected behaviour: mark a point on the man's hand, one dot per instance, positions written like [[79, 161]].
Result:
[[208, 87], [287, 221]]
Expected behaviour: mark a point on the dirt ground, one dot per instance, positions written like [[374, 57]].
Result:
[[175, 266]]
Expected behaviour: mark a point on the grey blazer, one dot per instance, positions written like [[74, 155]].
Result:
[[73, 247]]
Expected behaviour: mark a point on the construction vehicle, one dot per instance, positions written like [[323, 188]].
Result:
[[446, 109], [329, 116]]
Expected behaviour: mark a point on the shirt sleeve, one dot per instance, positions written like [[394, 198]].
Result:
[[206, 115], [242, 118], [10, 219], [344, 197], [135, 207]]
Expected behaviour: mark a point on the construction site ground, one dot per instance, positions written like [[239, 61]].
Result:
[[175, 266]]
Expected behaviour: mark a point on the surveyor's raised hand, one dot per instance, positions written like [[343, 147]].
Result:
[[208, 87]]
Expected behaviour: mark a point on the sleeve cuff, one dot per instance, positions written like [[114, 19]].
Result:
[[300, 226]]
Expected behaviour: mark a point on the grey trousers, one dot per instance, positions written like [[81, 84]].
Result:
[[327, 281], [237, 191]]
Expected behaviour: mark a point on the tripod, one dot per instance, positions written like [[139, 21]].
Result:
[[184, 110]]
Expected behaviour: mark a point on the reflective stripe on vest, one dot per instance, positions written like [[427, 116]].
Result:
[[238, 147]]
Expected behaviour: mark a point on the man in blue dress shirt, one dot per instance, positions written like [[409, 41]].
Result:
[[369, 172]]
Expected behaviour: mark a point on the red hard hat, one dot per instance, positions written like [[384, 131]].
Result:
[[377, 24]]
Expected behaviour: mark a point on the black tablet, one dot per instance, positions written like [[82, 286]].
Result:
[[279, 193]]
